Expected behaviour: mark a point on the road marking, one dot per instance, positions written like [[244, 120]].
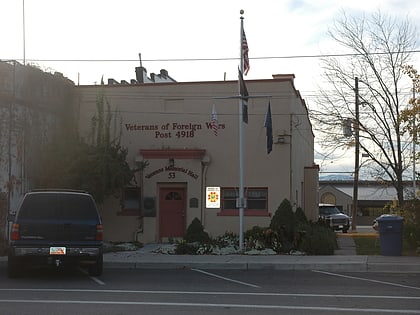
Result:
[[368, 280], [97, 280], [267, 294], [227, 279], [92, 278], [223, 305]]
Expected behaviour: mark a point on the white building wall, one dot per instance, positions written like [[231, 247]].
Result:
[[177, 116]]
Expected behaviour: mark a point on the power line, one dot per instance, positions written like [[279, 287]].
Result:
[[222, 59]]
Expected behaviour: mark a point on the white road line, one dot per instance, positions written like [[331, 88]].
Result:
[[92, 278], [226, 279], [368, 280], [97, 281], [267, 294], [245, 306]]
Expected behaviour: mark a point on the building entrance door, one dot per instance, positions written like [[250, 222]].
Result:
[[172, 208]]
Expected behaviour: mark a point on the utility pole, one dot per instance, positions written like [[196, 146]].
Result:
[[414, 145], [24, 32], [356, 156]]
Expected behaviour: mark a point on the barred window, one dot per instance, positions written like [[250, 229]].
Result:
[[130, 201], [257, 201]]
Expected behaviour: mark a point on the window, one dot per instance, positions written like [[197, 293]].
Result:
[[64, 206], [257, 201], [229, 199], [173, 195], [131, 201], [328, 198]]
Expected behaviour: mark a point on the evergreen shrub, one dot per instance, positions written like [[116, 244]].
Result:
[[411, 224], [318, 240], [184, 248], [195, 233]]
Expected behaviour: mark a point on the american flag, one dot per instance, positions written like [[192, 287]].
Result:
[[245, 53], [214, 122], [244, 96]]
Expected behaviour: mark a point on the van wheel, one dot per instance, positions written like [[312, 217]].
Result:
[[96, 269], [13, 266]]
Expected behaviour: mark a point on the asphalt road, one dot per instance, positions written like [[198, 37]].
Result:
[[196, 291]]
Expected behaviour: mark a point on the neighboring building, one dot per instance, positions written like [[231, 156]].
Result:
[[373, 196], [141, 77], [162, 77], [31, 104], [167, 128]]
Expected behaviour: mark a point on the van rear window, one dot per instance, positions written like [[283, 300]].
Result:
[[44, 206]]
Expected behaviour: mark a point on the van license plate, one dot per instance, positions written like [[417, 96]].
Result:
[[57, 250]]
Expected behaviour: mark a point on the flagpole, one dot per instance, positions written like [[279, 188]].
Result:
[[241, 200]]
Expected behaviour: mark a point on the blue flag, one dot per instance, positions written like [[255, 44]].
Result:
[[268, 124]]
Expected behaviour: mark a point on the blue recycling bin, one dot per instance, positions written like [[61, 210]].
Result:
[[390, 234]]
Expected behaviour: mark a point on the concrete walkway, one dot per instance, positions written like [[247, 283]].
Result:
[[344, 260], [333, 263], [151, 256], [346, 245]]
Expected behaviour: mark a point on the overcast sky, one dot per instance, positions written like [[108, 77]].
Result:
[[58, 33]]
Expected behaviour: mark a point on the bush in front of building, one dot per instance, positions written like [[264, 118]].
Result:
[[3, 245], [259, 238], [318, 239], [195, 232], [295, 233], [289, 232], [284, 226], [411, 224], [185, 248], [288, 228], [195, 240], [300, 216]]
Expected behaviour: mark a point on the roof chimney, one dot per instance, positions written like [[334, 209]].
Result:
[[141, 72], [164, 73]]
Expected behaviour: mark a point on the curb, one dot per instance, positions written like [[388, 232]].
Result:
[[355, 267], [385, 264]]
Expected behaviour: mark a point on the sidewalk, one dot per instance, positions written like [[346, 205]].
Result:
[[147, 259], [344, 260]]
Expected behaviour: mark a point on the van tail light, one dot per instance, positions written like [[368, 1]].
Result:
[[14, 235], [99, 232]]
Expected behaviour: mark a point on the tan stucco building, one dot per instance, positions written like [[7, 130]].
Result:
[[166, 127]]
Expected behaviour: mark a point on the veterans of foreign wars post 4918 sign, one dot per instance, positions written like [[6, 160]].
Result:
[[213, 197]]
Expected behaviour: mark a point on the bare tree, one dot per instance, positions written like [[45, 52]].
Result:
[[376, 48], [411, 115]]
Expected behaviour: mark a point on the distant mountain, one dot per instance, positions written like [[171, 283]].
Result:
[[337, 177]]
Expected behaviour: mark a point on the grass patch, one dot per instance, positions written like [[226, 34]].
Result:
[[371, 245], [367, 245]]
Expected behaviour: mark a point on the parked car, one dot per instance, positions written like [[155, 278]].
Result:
[[334, 217], [56, 227], [375, 224]]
